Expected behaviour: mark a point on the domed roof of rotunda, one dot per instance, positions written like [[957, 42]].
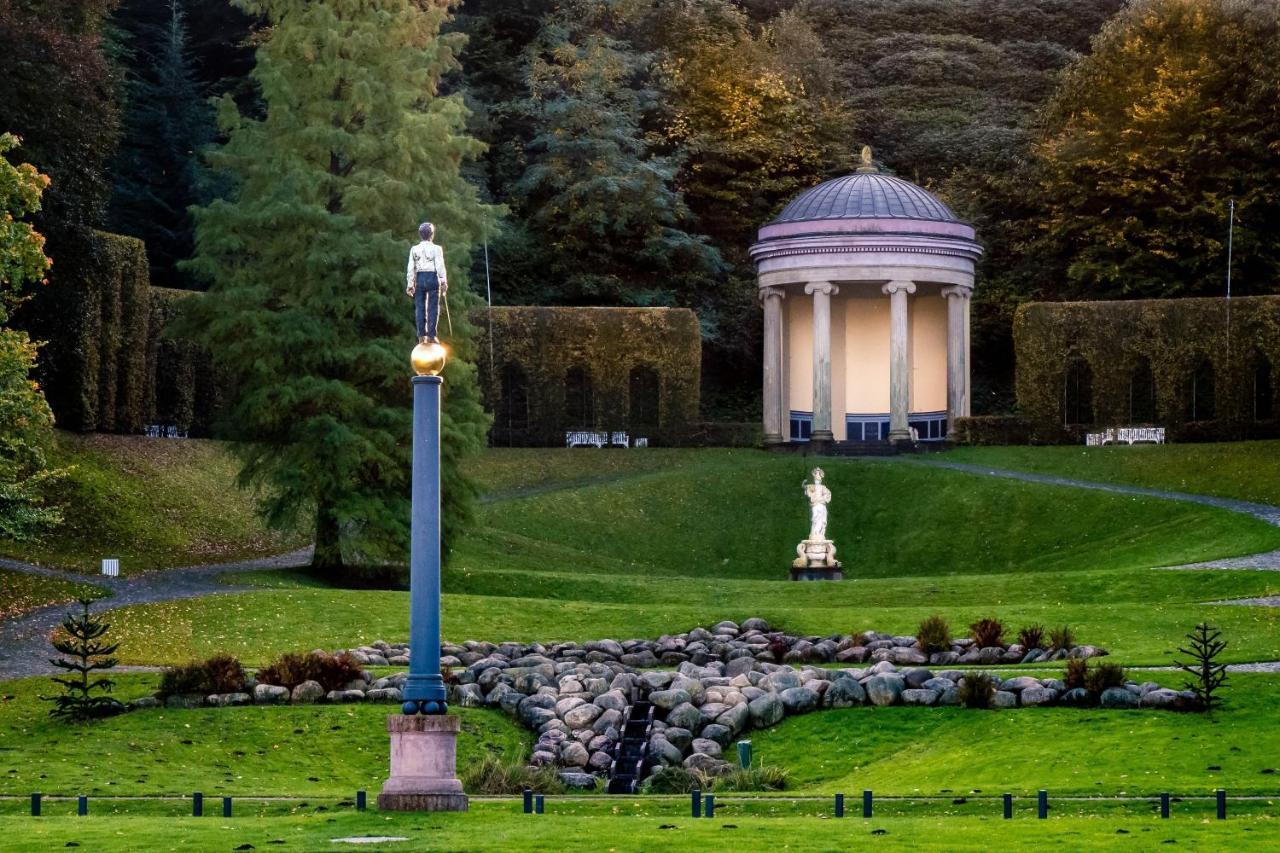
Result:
[[866, 195]]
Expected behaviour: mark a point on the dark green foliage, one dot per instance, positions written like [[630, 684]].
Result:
[[992, 429], [81, 640], [987, 632], [185, 389], [1129, 346], [1209, 674], [1106, 674], [167, 121], [306, 310], [492, 776], [1031, 637], [976, 690], [535, 348], [221, 673], [934, 635], [1062, 639], [1077, 673], [674, 780], [333, 672], [761, 777]]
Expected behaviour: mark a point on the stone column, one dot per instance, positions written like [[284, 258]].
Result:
[[899, 359], [776, 428], [822, 292], [957, 298]]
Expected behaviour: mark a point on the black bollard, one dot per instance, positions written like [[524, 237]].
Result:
[[1164, 805], [538, 804], [226, 807], [1222, 803], [711, 805], [1008, 806], [35, 805], [197, 804], [361, 801], [839, 805], [1042, 804], [82, 805], [695, 802], [528, 801], [866, 804]]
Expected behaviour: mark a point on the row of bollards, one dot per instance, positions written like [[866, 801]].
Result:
[[197, 804], [533, 803], [700, 805], [1042, 804]]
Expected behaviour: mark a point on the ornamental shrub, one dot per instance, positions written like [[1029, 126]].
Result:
[[977, 689], [987, 632], [778, 647], [763, 777], [1103, 676], [333, 672], [1031, 637], [1077, 673], [492, 775], [221, 673], [934, 635], [674, 780], [1062, 639]]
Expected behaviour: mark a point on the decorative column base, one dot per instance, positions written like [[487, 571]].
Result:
[[900, 437], [424, 765], [822, 439]]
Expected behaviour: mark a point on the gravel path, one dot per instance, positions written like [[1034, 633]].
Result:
[[24, 640]]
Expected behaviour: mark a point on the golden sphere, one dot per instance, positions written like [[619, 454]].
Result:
[[429, 359]]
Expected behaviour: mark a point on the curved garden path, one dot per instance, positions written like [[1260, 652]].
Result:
[[24, 639], [24, 644]]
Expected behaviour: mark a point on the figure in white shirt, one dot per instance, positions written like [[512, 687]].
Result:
[[427, 282]]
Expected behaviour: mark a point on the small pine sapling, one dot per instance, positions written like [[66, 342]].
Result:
[[1209, 674], [81, 640]]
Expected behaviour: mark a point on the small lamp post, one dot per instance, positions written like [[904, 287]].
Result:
[[424, 737]]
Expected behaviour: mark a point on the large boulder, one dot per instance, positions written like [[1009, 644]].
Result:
[[668, 699], [678, 737], [906, 655], [1118, 697], [662, 751], [582, 716], [707, 747], [843, 693], [684, 715], [916, 677], [385, 694], [1032, 696], [271, 694], [574, 754], [766, 710], [799, 700], [307, 693], [1022, 682], [736, 718], [782, 679], [467, 696], [1004, 699], [612, 700], [710, 765], [919, 696], [883, 689], [1161, 697], [608, 719], [579, 780]]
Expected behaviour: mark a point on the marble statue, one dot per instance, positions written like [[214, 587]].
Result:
[[816, 555]]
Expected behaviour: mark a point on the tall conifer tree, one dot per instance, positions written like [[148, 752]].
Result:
[[306, 307]]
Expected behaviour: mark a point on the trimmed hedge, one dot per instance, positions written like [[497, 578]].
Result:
[[655, 351], [1118, 341], [185, 389]]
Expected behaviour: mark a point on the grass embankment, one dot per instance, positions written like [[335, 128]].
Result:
[[1244, 470], [20, 592], [636, 826], [692, 543], [154, 503], [334, 750]]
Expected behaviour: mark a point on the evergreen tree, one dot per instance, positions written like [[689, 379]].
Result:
[[306, 307], [605, 220], [87, 652], [26, 424], [167, 122]]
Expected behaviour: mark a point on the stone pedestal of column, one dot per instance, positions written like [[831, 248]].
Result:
[[424, 774]]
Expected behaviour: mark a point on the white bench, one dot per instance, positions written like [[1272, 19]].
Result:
[[594, 438], [111, 567], [1125, 435]]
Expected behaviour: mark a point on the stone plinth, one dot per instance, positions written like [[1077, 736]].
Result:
[[816, 560], [424, 775]]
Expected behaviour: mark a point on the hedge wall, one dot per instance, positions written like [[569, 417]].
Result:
[[585, 368], [185, 389], [93, 365], [1180, 346]]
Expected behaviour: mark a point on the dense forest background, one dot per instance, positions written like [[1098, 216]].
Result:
[[636, 145]]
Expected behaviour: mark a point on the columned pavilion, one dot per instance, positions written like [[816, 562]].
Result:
[[865, 282]]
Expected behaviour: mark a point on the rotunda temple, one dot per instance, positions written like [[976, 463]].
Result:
[[865, 282]]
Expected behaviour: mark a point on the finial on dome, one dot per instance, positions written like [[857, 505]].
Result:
[[868, 165]]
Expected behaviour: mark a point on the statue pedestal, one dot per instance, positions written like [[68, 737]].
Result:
[[424, 776], [816, 561]]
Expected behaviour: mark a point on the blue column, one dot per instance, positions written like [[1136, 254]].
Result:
[[424, 691]]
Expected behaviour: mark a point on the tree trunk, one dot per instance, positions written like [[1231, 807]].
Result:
[[327, 561]]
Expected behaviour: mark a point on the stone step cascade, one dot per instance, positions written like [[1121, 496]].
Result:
[[630, 757]]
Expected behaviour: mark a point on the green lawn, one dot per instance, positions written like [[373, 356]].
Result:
[[1245, 470], [20, 592], [628, 826], [154, 503], [643, 826]]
